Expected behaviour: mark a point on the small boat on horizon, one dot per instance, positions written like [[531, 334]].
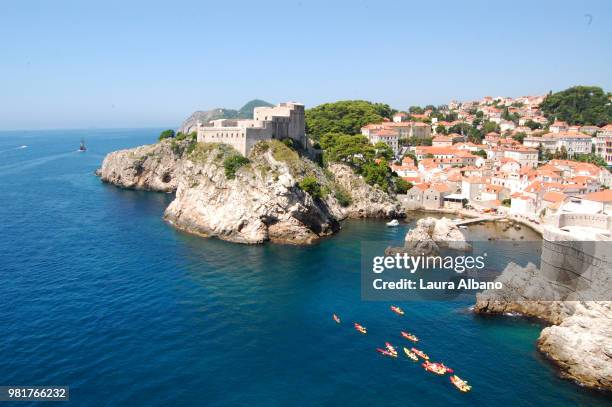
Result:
[[82, 147]]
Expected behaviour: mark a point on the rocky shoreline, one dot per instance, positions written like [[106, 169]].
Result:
[[260, 201], [578, 338]]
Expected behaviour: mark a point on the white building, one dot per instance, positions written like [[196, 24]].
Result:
[[603, 143], [526, 157], [285, 120], [573, 142]]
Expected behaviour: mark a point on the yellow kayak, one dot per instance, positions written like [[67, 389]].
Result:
[[411, 355], [460, 384]]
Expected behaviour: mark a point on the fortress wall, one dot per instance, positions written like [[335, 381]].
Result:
[[575, 267], [235, 137], [599, 221]]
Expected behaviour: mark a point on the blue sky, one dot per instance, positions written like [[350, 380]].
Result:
[[80, 64]]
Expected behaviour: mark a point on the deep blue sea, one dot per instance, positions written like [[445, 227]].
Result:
[[98, 293]]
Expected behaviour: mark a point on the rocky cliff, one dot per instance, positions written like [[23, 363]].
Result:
[[261, 200], [429, 236], [153, 167], [566, 292]]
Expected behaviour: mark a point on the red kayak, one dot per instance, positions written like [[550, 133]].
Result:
[[390, 348], [360, 328], [437, 368], [421, 354], [410, 336], [385, 352]]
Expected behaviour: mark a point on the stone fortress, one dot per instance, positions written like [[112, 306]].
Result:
[[285, 120]]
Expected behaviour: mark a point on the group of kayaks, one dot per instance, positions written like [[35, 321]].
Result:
[[414, 354]]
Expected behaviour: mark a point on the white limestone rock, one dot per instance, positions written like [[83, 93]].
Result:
[[263, 202], [153, 167], [431, 234], [580, 340]]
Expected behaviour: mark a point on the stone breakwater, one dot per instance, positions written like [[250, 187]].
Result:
[[568, 292], [260, 201]]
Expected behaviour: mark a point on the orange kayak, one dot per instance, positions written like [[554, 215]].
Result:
[[421, 354]]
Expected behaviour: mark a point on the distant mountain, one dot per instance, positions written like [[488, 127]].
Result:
[[246, 111], [204, 116]]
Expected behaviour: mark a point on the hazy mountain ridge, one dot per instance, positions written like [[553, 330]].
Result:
[[245, 112]]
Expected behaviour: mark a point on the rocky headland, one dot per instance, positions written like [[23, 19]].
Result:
[[275, 195], [566, 292], [429, 236]]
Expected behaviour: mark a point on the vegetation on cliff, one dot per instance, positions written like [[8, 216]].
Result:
[[583, 105], [369, 161], [346, 116]]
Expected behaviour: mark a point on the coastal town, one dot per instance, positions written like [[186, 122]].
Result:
[[525, 166]]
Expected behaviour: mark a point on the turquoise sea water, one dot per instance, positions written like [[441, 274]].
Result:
[[99, 294]]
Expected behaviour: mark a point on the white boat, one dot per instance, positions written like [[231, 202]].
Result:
[[463, 227], [394, 222]]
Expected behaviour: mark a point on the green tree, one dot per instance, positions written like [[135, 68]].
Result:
[[520, 136], [310, 185], [488, 127], [475, 135], [584, 105], [481, 153], [591, 158], [533, 125], [382, 150], [347, 116], [377, 174], [461, 128], [441, 129], [232, 163], [415, 110], [166, 134], [344, 148], [402, 186]]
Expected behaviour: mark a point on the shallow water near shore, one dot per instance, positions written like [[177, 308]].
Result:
[[100, 294]]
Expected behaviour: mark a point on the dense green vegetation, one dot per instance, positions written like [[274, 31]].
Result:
[[584, 105], [402, 186], [416, 141], [371, 162], [346, 116], [311, 185], [166, 134], [233, 163], [344, 197], [481, 153], [591, 158]]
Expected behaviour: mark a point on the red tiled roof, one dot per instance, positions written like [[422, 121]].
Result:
[[599, 196]]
